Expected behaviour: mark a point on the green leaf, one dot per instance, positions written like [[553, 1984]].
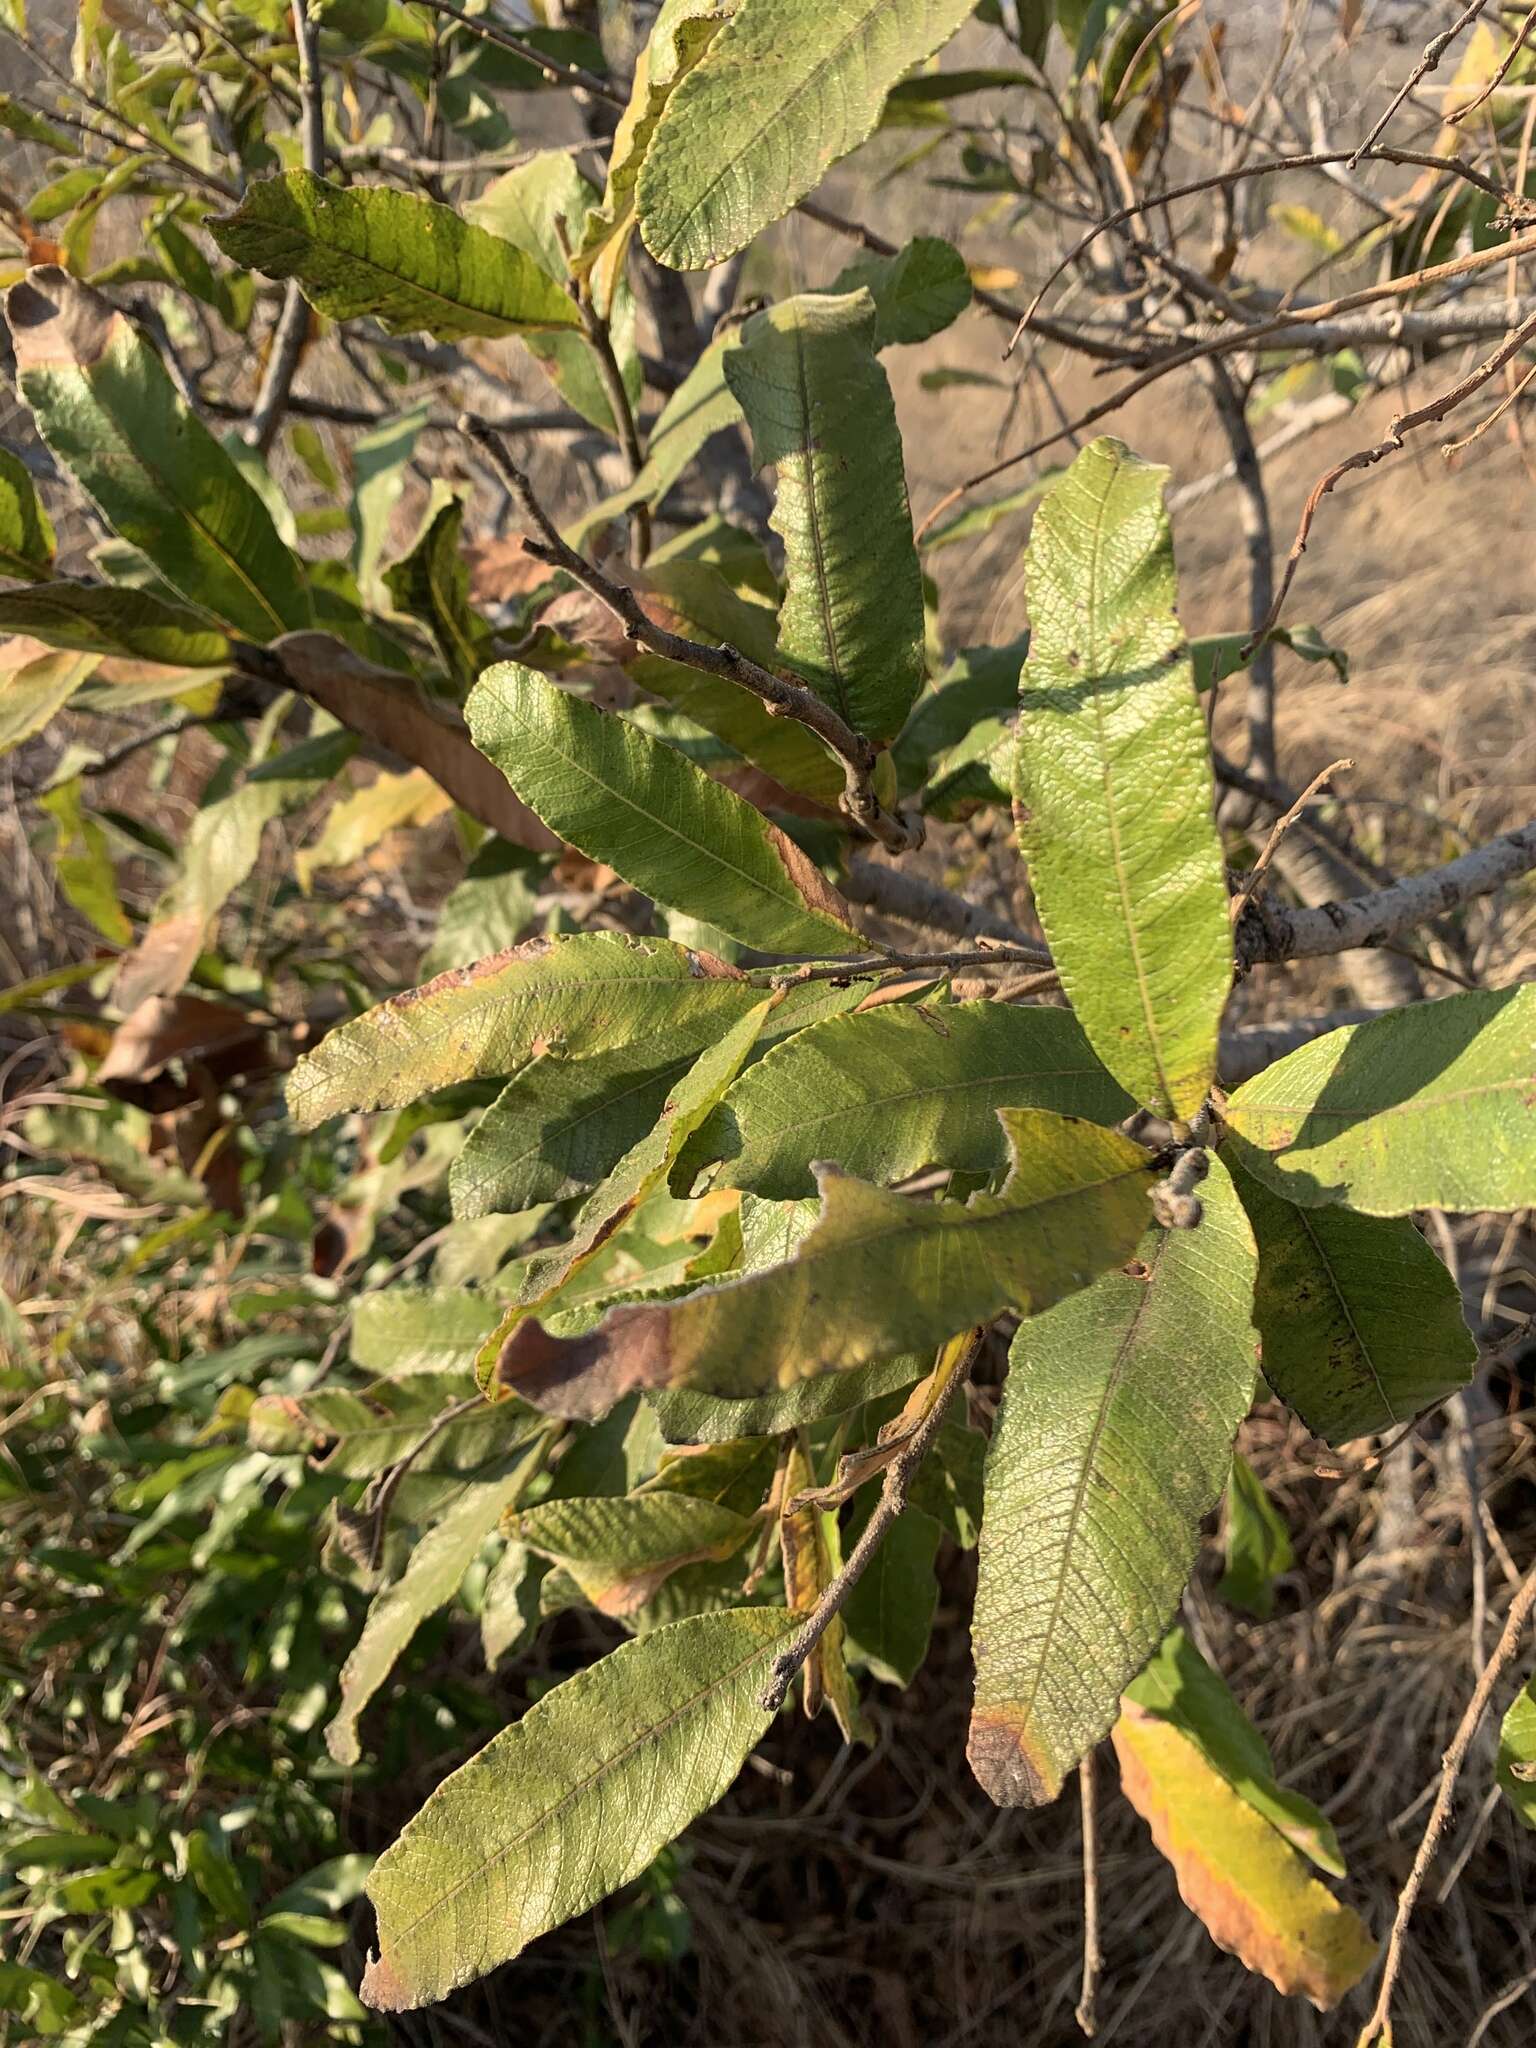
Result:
[[644, 809], [100, 618], [682, 31], [26, 532], [219, 852], [821, 412], [559, 1125], [83, 864], [1115, 785], [981, 683], [1102, 1464], [569, 1803], [509, 1610], [111, 415], [379, 462], [1216, 656], [542, 207], [879, 1274], [702, 406], [770, 1233], [620, 1552], [918, 292], [438, 1564], [579, 995], [889, 1614], [431, 583], [489, 910], [368, 251], [1361, 1324], [1179, 1687], [1517, 1755], [646, 1165], [1258, 1549], [401, 1331], [778, 97], [1191, 1770], [979, 519], [1429, 1107], [367, 815], [694, 599], [889, 1091]]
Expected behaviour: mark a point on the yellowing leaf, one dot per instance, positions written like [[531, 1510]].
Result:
[[1236, 1871], [880, 1274]]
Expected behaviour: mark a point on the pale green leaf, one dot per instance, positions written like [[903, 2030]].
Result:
[[778, 97], [369, 251], [1103, 1462], [83, 864], [1179, 1687], [880, 1274], [26, 532], [1361, 1324], [357, 824], [99, 618], [1430, 1107], [917, 292], [509, 1608], [821, 411], [108, 410], [980, 519], [649, 813], [559, 1125], [646, 1165], [1115, 784], [429, 1582], [1236, 1870], [1258, 1544], [403, 1330], [682, 31], [585, 994], [980, 683], [770, 1234], [620, 1552], [694, 599], [379, 462], [489, 910], [37, 689], [1517, 1755], [885, 1093], [702, 406], [542, 206], [569, 1803]]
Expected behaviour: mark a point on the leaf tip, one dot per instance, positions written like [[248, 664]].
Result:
[[383, 1988], [1008, 1768]]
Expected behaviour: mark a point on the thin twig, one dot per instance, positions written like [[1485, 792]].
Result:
[[1093, 1957], [1451, 1766], [1434, 50], [893, 1498], [292, 329], [550, 68], [611, 377], [173, 728], [782, 699], [1506, 66], [1258, 536], [1366, 458], [1229, 342], [1277, 833], [1223, 180]]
